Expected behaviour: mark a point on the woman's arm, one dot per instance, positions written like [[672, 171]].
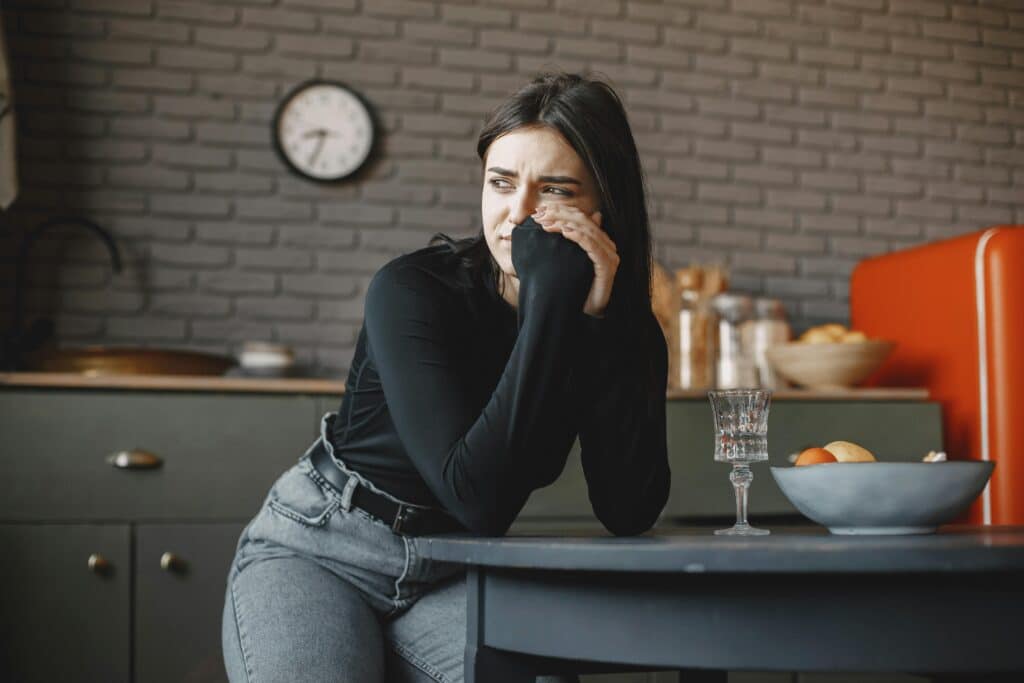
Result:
[[482, 466], [622, 427]]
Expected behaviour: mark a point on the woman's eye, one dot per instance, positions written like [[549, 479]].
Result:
[[502, 184]]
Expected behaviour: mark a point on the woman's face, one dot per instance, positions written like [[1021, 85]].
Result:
[[524, 169]]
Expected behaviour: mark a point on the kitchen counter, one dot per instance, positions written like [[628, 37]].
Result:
[[317, 385], [193, 383]]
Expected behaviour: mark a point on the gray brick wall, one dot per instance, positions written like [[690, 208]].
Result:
[[785, 138]]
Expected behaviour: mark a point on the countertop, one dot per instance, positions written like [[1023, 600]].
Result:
[[317, 385]]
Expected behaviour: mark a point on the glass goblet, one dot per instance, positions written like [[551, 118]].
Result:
[[741, 438]]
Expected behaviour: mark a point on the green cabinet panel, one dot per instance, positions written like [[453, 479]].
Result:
[[62, 620], [181, 575]]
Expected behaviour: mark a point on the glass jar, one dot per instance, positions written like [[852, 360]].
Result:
[[734, 363], [695, 339], [770, 326]]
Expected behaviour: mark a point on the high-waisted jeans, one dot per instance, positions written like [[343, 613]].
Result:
[[321, 591]]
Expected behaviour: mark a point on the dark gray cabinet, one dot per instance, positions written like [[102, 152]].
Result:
[[162, 536], [149, 607], [65, 602], [180, 578]]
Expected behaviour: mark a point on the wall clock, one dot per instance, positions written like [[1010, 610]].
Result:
[[323, 130]]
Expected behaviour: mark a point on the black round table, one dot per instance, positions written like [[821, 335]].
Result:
[[800, 599]]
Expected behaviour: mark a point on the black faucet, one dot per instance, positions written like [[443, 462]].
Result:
[[17, 341]]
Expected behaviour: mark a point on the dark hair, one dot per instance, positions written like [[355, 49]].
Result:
[[589, 115]]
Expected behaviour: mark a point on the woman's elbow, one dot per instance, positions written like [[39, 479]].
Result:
[[638, 518], [631, 525]]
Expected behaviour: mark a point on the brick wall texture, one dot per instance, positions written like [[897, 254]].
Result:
[[785, 138]]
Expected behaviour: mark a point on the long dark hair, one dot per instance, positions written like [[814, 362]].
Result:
[[590, 116]]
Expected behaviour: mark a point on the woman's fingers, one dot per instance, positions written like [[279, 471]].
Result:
[[561, 219], [597, 249], [584, 230]]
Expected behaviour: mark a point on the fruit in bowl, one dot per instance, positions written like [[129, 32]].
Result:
[[836, 451], [814, 456], [828, 357], [831, 333]]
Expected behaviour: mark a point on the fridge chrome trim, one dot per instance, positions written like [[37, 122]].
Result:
[[980, 301]]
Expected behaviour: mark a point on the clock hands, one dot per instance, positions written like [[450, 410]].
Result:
[[316, 152], [322, 134]]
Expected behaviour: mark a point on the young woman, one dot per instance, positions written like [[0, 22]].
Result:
[[479, 363]]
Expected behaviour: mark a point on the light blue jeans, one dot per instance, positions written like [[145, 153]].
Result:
[[321, 591]]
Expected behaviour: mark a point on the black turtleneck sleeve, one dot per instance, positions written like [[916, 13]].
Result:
[[482, 465], [623, 374]]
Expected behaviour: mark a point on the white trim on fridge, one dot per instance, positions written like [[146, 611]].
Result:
[[980, 305]]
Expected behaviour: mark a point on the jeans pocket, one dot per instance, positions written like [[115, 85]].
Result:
[[299, 497]]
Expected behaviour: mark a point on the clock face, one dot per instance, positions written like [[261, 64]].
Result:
[[324, 131]]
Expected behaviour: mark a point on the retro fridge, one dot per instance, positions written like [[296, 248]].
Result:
[[955, 309]]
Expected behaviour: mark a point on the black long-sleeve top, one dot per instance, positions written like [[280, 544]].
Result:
[[457, 399]]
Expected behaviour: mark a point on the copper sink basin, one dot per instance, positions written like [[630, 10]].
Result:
[[127, 360]]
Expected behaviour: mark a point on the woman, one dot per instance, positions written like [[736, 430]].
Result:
[[478, 364]]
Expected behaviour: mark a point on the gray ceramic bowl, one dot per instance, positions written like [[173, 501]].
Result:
[[883, 497]]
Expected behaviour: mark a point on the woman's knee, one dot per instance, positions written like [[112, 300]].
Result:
[[290, 619]]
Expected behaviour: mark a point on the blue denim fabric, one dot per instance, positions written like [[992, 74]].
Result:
[[321, 591]]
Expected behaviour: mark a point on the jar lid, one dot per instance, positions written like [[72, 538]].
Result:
[[733, 306], [766, 307]]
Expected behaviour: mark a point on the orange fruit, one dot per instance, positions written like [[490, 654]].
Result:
[[814, 456]]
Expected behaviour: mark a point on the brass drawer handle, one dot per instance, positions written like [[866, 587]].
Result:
[[170, 562], [135, 459], [98, 564]]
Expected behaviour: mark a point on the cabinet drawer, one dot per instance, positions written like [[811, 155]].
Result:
[[219, 453]]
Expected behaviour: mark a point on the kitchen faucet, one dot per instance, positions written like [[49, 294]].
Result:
[[17, 341]]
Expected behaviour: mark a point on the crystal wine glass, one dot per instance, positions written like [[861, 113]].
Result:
[[741, 438]]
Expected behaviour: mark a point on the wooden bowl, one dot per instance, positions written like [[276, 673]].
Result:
[[828, 366], [127, 360]]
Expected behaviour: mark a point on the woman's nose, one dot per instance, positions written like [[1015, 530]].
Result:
[[521, 208]]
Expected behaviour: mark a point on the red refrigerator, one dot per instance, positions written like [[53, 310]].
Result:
[[955, 309]]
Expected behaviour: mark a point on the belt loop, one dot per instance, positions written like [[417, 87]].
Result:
[[400, 519], [346, 495]]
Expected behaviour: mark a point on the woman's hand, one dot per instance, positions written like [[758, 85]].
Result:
[[586, 231]]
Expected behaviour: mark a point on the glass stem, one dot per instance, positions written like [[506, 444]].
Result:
[[741, 476]]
